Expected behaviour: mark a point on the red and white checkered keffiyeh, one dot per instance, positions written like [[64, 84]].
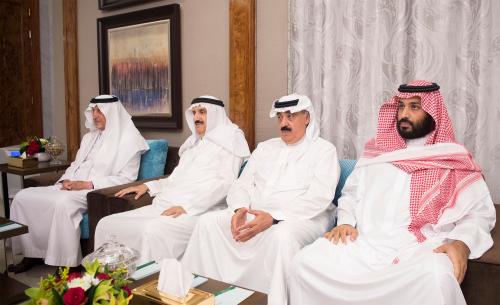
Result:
[[435, 181]]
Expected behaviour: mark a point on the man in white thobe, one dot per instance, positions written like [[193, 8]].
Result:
[[412, 212], [281, 202], [210, 160], [109, 155]]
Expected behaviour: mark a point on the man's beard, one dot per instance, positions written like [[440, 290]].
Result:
[[418, 129]]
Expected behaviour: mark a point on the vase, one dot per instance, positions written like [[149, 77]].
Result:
[[54, 148], [42, 157]]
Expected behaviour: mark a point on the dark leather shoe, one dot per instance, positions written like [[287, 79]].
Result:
[[77, 269], [26, 264]]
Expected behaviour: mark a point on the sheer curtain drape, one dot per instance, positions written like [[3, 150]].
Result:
[[350, 56]]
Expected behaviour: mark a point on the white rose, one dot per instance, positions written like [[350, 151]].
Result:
[[84, 282]]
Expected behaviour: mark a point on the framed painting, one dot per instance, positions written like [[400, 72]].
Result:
[[114, 4], [140, 62]]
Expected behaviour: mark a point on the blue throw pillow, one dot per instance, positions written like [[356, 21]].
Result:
[[242, 167], [153, 161], [346, 168]]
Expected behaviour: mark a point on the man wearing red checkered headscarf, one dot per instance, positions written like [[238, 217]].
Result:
[[412, 212]]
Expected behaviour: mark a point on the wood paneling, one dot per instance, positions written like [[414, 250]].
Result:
[[71, 77], [20, 88], [242, 66]]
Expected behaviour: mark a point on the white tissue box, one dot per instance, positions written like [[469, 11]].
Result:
[[194, 296]]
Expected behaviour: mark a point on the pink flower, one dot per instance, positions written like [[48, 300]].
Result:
[[74, 296], [127, 290], [103, 276]]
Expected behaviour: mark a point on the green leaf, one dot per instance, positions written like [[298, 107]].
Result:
[[92, 268], [101, 291], [91, 293], [57, 297], [32, 292]]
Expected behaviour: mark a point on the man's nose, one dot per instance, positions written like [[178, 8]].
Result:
[[405, 112]]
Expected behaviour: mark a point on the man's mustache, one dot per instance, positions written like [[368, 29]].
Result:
[[198, 122], [286, 128], [406, 121]]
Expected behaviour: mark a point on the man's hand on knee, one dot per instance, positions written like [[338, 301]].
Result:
[[174, 211], [66, 185], [76, 185], [81, 185], [237, 220], [261, 222], [458, 252], [342, 232]]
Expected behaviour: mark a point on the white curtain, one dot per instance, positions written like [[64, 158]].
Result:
[[350, 56]]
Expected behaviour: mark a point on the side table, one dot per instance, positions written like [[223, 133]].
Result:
[[42, 167], [11, 291]]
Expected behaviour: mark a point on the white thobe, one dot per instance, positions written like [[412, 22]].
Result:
[[295, 184], [198, 184], [386, 264], [53, 215]]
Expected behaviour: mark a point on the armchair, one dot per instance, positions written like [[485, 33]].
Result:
[[101, 203]]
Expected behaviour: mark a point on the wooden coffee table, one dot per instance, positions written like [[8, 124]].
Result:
[[11, 291], [212, 286]]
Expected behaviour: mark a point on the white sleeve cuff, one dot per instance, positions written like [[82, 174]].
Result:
[[154, 187], [345, 218]]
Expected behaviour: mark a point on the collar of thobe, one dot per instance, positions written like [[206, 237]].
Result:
[[299, 142], [297, 149], [417, 142]]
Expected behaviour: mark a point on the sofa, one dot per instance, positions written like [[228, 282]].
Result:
[[479, 286]]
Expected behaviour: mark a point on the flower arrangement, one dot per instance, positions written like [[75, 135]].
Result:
[[96, 286], [33, 145]]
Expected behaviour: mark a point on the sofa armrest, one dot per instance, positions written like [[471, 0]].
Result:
[[483, 274], [102, 203], [492, 256]]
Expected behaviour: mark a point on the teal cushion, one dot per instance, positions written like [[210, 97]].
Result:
[[84, 227], [153, 161], [242, 167], [346, 168]]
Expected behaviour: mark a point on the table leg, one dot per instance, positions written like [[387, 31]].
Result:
[[5, 256], [5, 194]]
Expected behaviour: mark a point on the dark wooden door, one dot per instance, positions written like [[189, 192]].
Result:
[[20, 90]]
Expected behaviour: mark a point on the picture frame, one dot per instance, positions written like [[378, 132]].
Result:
[[139, 56], [106, 5]]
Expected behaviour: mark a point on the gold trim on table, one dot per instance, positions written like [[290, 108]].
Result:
[[194, 297]]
